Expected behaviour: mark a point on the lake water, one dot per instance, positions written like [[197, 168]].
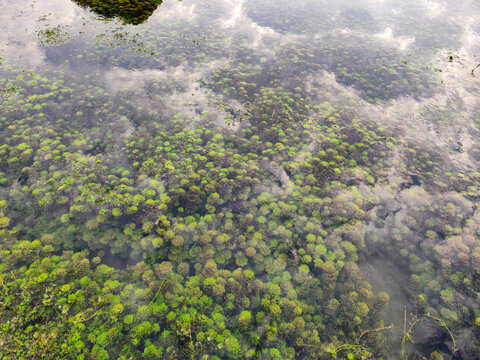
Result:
[[219, 179]]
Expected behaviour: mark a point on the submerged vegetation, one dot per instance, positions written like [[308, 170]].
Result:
[[202, 200], [129, 11]]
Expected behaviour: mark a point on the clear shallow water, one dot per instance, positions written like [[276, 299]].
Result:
[[216, 179]]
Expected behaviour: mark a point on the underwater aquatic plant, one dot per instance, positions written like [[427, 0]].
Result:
[[130, 12], [144, 226], [408, 329]]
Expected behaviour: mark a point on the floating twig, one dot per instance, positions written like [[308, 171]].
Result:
[[475, 68]]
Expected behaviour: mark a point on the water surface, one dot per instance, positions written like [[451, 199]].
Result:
[[216, 179]]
